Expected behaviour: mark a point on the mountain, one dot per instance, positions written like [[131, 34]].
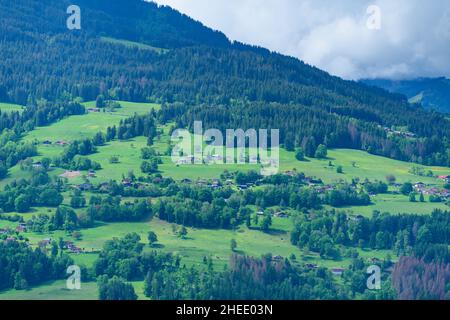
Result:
[[139, 51], [432, 93]]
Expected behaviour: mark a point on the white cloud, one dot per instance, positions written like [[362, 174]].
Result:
[[414, 39]]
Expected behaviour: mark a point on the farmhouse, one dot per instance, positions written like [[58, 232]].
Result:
[[21, 228], [37, 164], [337, 271]]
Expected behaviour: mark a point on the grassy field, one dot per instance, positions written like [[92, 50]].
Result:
[[87, 125], [132, 44], [9, 107], [56, 290]]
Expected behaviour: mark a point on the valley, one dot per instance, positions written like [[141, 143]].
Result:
[[200, 242]]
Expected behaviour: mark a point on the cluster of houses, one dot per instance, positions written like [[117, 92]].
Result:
[[213, 183], [278, 214], [423, 188], [404, 134]]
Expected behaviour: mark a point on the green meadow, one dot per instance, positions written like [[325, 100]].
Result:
[[9, 107]]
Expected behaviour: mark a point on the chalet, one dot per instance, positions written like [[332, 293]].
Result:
[[337, 271], [444, 177], [356, 218], [46, 142], [62, 143], [37, 164], [72, 247], [290, 173], [229, 182], [312, 266], [127, 182], [420, 185], [94, 110], [313, 181], [187, 181], [91, 174], [21, 228], [375, 260], [4, 231], [260, 213], [281, 215], [242, 187], [277, 258]]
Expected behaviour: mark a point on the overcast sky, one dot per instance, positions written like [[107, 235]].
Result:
[[413, 41]]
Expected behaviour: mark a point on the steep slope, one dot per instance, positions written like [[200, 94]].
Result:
[[432, 93], [41, 58]]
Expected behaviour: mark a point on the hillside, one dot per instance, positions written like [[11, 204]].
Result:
[[87, 176], [432, 93], [40, 58]]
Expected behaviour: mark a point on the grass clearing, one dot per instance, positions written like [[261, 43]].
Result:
[[55, 290], [10, 107]]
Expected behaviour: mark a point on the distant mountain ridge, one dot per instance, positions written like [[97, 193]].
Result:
[[432, 93]]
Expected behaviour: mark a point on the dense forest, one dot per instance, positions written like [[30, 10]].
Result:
[[236, 81]]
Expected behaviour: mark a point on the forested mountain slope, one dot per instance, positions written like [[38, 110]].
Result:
[[41, 58], [432, 93]]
